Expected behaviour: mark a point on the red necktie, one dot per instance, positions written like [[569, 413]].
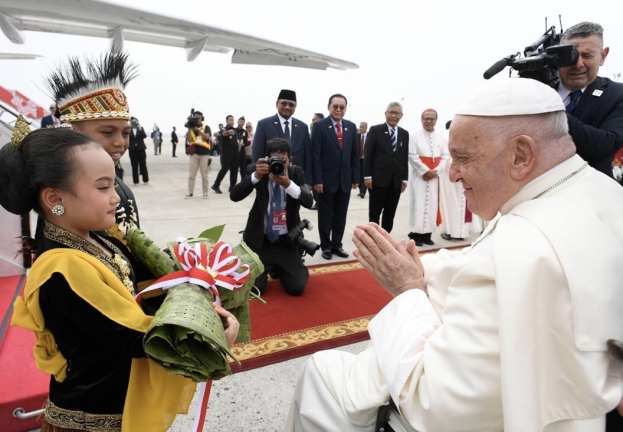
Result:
[[361, 147], [338, 131]]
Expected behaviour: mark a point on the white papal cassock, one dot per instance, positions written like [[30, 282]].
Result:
[[513, 334], [427, 150]]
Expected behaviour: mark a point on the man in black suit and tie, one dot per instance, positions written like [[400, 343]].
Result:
[[335, 171], [137, 151], [275, 211], [51, 119], [174, 140], [283, 125], [361, 139], [386, 164], [594, 104]]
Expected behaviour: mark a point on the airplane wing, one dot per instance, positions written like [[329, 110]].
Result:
[[98, 18], [17, 56]]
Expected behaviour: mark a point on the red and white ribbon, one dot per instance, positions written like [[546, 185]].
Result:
[[218, 268]]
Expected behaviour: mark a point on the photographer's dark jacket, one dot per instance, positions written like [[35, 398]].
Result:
[[596, 124], [254, 231]]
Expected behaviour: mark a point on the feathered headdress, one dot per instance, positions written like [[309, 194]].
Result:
[[92, 89]]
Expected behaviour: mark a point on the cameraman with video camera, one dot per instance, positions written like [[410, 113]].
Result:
[[274, 227], [594, 104], [569, 63], [198, 137]]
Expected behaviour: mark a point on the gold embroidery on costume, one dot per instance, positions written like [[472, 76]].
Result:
[[125, 217], [118, 263], [79, 420]]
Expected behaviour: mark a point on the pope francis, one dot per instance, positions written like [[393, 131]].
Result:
[[509, 334]]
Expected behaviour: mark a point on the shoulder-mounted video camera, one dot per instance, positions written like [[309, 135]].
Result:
[[191, 120], [541, 60]]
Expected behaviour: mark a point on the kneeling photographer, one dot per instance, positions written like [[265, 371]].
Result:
[[274, 226]]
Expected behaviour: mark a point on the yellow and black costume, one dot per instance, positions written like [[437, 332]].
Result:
[[80, 303]]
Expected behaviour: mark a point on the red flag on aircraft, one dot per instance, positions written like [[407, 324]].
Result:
[[22, 104]]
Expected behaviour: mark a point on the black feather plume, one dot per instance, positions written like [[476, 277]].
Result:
[[77, 77]]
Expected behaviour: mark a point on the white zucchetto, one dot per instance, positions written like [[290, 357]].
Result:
[[513, 96]]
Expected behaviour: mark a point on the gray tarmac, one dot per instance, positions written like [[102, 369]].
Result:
[[259, 399]]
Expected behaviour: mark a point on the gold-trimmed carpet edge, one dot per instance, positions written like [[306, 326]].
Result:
[[300, 338]]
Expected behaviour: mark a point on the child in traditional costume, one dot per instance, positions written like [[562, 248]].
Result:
[[79, 298], [90, 97]]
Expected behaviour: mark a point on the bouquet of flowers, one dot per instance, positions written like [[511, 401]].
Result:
[[186, 336]]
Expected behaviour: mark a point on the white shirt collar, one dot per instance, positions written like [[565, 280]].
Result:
[[283, 120], [564, 93]]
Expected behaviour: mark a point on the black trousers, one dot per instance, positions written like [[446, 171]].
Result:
[[229, 160], [138, 158], [385, 200], [332, 209], [362, 183], [174, 147], [284, 258], [242, 163]]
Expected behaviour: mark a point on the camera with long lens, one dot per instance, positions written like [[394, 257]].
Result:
[[541, 60], [191, 121], [296, 236], [276, 165]]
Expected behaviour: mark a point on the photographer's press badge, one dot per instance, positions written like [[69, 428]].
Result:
[[279, 220]]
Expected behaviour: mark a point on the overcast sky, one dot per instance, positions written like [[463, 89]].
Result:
[[429, 54]]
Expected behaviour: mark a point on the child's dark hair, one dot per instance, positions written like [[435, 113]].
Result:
[[45, 159], [278, 145]]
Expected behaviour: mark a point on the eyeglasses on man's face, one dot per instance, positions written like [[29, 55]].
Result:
[[287, 103]]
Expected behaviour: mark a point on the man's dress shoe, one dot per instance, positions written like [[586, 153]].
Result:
[[326, 254], [448, 237], [340, 252], [419, 243], [428, 242]]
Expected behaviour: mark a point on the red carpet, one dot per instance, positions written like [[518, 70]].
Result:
[[339, 301], [23, 385]]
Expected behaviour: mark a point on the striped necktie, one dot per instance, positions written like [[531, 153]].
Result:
[[392, 135], [275, 204]]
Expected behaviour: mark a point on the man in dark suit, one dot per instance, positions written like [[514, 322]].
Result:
[[386, 164], [174, 140], [335, 171], [50, 120], [361, 139], [275, 211], [229, 155], [594, 104], [283, 125], [137, 151]]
